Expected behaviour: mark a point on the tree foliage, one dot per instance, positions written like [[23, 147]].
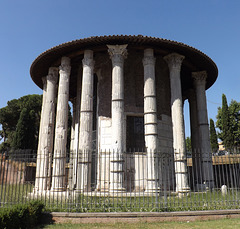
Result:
[[213, 136], [228, 118], [29, 108], [20, 121], [188, 144], [25, 134]]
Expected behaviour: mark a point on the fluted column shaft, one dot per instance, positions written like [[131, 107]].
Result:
[[86, 122], [204, 135], [150, 118], [196, 156], [38, 181], [174, 61], [59, 159], [117, 54], [45, 147], [44, 80]]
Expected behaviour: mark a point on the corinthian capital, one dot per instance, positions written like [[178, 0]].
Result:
[[149, 57], [52, 74], [174, 60], [88, 59], [87, 62], [199, 77], [65, 65], [149, 60], [117, 53]]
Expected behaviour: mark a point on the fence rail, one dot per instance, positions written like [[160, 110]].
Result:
[[135, 181]]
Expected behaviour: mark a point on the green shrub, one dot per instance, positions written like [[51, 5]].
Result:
[[21, 216]]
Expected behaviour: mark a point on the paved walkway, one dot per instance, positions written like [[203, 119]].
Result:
[[133, 217]]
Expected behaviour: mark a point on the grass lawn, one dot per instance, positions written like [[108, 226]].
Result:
[[213, 200], [222, 223]]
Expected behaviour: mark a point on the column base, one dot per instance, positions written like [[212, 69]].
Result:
[[150, 191], [38, 191], [48, 194], [152, 187], [183, 192], [60, 189], [86, 190], [117, 190]]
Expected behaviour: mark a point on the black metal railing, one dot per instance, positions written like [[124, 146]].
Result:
[[108, 181]]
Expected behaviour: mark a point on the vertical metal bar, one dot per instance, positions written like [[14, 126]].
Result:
[[220, 179], [201, 180], [21, 165], [174, 179], [209, 192], [235, 188], [8, 191], [6, 183], [169, 176], [2, 175], [229, 179], [14, 188], [141, 184], [215, 181], [52, 195], [193, 199], [104, 177], [222, 176], [130, 157], [25, 178]]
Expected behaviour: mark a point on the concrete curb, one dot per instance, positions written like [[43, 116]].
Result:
[[133, 217]]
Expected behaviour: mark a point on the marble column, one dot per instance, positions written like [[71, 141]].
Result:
[[38, 181], [117, 54], [44, 80], [150, 120], [196, 156], [86, 122], [45, 147], [204, 135], [174, 61], [60, 142]]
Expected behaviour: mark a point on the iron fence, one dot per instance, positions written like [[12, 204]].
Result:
[[112, 181]]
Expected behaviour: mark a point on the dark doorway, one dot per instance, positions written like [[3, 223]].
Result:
[[135, 134]]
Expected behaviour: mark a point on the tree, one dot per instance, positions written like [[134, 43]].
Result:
[[213, 137], [224, 124], [25, 134], [188, 144], [228, 123], [20, 121], [234, 116], [9, 117]]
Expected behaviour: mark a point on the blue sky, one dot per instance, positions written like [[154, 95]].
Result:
[[29, 27]]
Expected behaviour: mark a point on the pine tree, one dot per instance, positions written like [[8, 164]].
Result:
[[234, 113], [24, 136], [225, 125], [213, 137]]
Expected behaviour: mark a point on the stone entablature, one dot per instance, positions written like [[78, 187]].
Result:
[[125, 95]]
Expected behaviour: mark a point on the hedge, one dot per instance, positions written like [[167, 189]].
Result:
[[21, 215]]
